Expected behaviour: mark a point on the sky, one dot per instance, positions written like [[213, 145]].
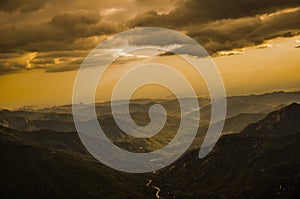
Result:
[[255, 44]]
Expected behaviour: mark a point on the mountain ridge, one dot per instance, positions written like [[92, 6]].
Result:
[[240, 166]]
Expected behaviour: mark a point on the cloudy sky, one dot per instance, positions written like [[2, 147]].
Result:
[[43, 43]]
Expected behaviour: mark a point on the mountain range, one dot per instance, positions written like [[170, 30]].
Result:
[[256, 157]]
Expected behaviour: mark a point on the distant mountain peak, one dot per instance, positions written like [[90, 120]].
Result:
[[282, 122], [292, 107]]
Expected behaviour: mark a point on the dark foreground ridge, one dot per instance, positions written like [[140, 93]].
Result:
[[262, 161]]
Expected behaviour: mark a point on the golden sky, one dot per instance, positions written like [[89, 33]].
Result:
[[255, 46], [254, 70]]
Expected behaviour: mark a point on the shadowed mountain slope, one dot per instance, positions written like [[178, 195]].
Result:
[[245, 165]]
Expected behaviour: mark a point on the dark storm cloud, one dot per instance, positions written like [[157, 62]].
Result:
[[42, 61], [79, 16], [226, 34], [225, 25], [285, 25], [57, 30], [203, 11], [160, 38], [59, 61], [67, 65], [62, 32], [58, 54], [237, 33], [59, 33], [12, 63], [80, 23], [21, 5], [150, 18], [7, 67]]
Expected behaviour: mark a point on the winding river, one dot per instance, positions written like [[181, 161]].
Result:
[[154, 187]]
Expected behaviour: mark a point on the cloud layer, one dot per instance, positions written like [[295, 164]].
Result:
[[56, 35]]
